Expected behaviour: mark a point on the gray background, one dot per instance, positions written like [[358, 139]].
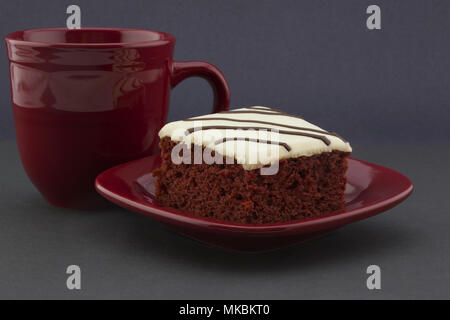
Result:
[[386, 91], [314, 58]]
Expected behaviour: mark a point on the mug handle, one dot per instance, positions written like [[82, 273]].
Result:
[[186, 69]]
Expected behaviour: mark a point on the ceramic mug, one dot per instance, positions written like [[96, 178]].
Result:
[[86, 100]]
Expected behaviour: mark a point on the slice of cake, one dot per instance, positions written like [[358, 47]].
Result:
[[252, 165]]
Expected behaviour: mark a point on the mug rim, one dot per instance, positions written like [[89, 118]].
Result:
[[16, 37]]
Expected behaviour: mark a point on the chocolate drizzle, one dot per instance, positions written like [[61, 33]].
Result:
[[269, 123], [261, 111], [296, 133], [253, 112], [264, 109], [283, 144], [320, 134]]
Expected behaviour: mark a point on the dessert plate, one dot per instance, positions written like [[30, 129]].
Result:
[[371, 189]]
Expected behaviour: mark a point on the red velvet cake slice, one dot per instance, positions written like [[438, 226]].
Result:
[[252, 165]]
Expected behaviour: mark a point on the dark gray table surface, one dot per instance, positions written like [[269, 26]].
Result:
[[126, 255]]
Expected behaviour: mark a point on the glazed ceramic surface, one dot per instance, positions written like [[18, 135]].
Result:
[[86, 100], [371, 189]]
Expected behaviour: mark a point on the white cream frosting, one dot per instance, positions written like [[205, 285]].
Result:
[[253, 154]]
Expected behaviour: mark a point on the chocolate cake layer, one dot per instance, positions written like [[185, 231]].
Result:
[[305, 186]]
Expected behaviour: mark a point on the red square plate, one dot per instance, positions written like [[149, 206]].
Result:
[[371, 189]]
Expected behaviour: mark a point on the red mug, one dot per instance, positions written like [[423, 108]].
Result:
[[86, 100]]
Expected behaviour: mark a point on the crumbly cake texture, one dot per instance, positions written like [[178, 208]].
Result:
[[303, 187], [310, 181]]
